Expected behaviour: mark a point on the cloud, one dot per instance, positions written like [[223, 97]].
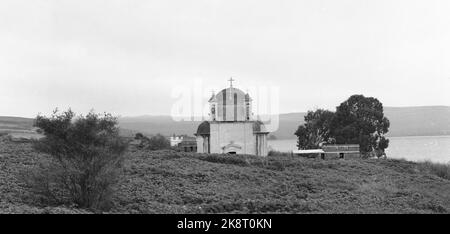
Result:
[[126, 56]]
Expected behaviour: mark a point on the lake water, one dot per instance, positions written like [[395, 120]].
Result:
[[420, 148]]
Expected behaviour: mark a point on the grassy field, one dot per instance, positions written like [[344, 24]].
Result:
[[171, 182]]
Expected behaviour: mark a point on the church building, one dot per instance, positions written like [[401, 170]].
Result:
[[231, 128]]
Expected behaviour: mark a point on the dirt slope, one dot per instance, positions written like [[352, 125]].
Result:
[[170, 182]]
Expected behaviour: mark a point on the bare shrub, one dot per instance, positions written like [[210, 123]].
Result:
[[85, 158]]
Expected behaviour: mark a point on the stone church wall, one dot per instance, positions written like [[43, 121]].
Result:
[[232, 133], [200, 144]]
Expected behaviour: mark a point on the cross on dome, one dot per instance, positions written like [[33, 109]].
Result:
[[231, 82]]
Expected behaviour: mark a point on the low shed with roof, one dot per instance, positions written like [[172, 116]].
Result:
[[333, 151]]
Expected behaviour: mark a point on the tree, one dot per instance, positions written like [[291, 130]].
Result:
[[86, 155], [360, 120], [158, 142], [139, 136], [303, 137], [316, 129]]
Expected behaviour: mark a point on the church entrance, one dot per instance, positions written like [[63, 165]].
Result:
[[232, 148]]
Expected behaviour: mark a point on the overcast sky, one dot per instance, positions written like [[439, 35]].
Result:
[[125, 57]]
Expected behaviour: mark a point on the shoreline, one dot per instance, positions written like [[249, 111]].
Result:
[[443, 136]]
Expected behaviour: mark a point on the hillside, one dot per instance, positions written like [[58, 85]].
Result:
[[18, 127], [419, 121], [15, 123], [158, 124], [170, 182], [405, 121]]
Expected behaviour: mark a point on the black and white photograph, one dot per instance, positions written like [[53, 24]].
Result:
[[222, 107]]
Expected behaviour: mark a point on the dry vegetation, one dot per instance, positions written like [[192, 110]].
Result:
[[173, 182]]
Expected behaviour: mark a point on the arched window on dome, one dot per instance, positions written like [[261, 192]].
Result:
[[247, 110], [213, 112]]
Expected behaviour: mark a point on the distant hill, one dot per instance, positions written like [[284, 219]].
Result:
[[419, 121], [158, 124], [405, 121], [15, 123]]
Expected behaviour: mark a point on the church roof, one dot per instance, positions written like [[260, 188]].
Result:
[[213, 98], [231, 90], [203, 128]]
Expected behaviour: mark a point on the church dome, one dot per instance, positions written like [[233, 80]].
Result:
[[232, 104], [231, 91], [203, 128]]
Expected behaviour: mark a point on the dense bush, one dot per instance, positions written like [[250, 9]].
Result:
[[279, 153], [441, 170], [139, 136], [158, 142], [85, 159], [225, 159]]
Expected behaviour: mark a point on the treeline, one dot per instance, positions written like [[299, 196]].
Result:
[[358, 120], [156, 142]]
